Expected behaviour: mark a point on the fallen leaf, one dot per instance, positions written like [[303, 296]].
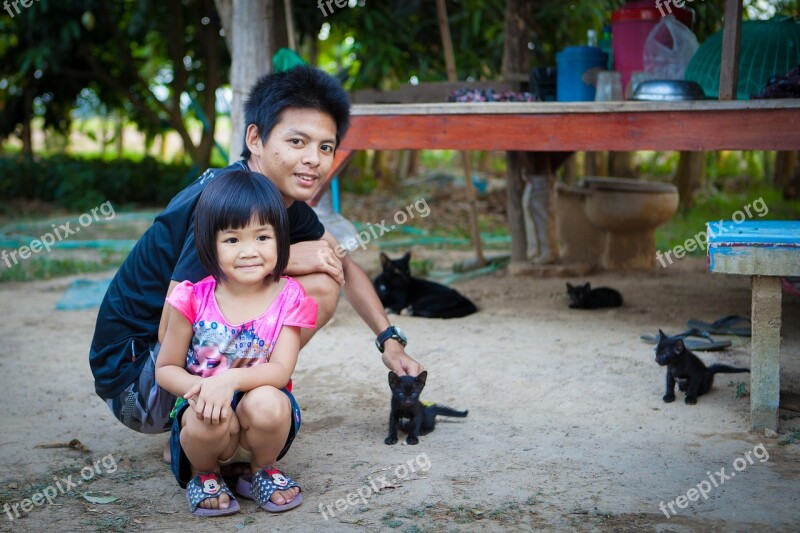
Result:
[[100, 500], [476, 512], [12, 486]]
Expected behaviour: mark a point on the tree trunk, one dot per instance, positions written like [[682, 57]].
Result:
[[518, 22], [27, 126], [690, 176], [251, 24], [784, 168]]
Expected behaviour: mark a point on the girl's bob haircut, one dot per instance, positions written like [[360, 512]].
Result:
[[231, 201]]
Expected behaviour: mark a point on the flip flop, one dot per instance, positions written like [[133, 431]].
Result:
[[262, 484], [207, 485], [724, 326], [708, 345]]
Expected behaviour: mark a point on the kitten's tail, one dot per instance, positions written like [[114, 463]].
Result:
[[716, 369], [443, 410]]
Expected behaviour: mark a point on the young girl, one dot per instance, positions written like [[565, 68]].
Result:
[[241, 326]]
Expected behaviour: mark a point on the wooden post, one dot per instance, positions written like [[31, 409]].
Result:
[[452, 76], [447, 41], [764, 363], [731, 33]]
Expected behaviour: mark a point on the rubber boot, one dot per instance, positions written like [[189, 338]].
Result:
[[536, 205]]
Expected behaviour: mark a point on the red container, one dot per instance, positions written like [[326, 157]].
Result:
[[630, 26]]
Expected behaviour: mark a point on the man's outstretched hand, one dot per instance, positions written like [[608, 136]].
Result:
[[397, 360]]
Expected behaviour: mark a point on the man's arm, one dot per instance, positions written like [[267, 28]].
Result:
[[362, 296]]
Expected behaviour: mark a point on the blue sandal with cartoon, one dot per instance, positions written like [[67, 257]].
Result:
[[207, 485], [262, 484]]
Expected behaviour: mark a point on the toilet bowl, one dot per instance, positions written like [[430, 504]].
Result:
[[626, 212]]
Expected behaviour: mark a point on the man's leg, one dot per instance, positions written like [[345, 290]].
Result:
[[325, 291]]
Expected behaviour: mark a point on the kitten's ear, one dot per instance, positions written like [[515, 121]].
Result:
[[679, 346], [422, 377], [394, 380], [385, 261], [569, 287], [406, 259], [588, 286], [661, 335]]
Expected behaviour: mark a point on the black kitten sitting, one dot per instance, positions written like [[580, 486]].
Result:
[[409, 414], [693, 377], [585, 297], [399, 292]]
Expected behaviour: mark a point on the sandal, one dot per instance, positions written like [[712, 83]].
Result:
[[724, 326], [259, 487], [706, 344], [206, 485]]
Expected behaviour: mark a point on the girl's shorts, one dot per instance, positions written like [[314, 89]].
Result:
[[182, 468]]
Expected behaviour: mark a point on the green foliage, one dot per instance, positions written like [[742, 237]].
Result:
[[719, 206], [37, 268], [81, 184], [384, 44]]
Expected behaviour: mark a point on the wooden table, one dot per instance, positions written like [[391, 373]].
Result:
[[566, 127], [764, 250]]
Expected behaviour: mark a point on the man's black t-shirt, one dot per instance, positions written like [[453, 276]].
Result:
[[128, 319]]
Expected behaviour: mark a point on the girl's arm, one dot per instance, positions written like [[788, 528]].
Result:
[[276, 373], [171, 371]]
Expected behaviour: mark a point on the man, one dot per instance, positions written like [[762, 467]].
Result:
[[294, 122]]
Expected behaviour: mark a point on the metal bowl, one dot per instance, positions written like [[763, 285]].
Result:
[[668, 91]]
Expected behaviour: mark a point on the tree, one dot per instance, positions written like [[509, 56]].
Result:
[[249, 27], [160, 61]]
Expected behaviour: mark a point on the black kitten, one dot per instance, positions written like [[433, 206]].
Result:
[[408, 413], [693, 377], [398, 291], [585, 297]]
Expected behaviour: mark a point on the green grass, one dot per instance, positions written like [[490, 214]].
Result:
[[714, 207], [38, 268]]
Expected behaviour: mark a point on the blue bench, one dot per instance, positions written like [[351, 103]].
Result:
[[766, 251]]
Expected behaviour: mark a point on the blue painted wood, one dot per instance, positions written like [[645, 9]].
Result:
[[762, 232], [763, 248]]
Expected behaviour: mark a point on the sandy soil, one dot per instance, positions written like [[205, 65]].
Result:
[[567, 429]]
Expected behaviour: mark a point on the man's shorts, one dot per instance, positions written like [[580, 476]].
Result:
[[144, 406], [181, 467]]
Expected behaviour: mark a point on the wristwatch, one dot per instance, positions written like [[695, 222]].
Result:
[[392, 332]]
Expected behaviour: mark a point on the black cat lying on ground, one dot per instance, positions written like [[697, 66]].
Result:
[[408, 413], [400, 292], [585, 297], [693, 377]]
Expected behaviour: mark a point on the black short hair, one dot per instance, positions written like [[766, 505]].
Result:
[[303, 87], [230, 201]]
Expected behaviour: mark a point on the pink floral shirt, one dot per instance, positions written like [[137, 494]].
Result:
[[218, 345]]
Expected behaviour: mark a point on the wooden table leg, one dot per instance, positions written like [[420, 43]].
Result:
[[765, 385]]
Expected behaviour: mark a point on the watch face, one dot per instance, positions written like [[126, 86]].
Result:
[[400, 334]]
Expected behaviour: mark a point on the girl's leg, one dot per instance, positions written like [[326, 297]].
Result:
[[265, 416], [204, 444]]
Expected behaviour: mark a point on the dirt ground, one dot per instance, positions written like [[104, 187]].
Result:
[[566, 426]]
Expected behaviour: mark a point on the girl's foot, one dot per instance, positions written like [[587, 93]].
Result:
[[208, 495], [272, 490]]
